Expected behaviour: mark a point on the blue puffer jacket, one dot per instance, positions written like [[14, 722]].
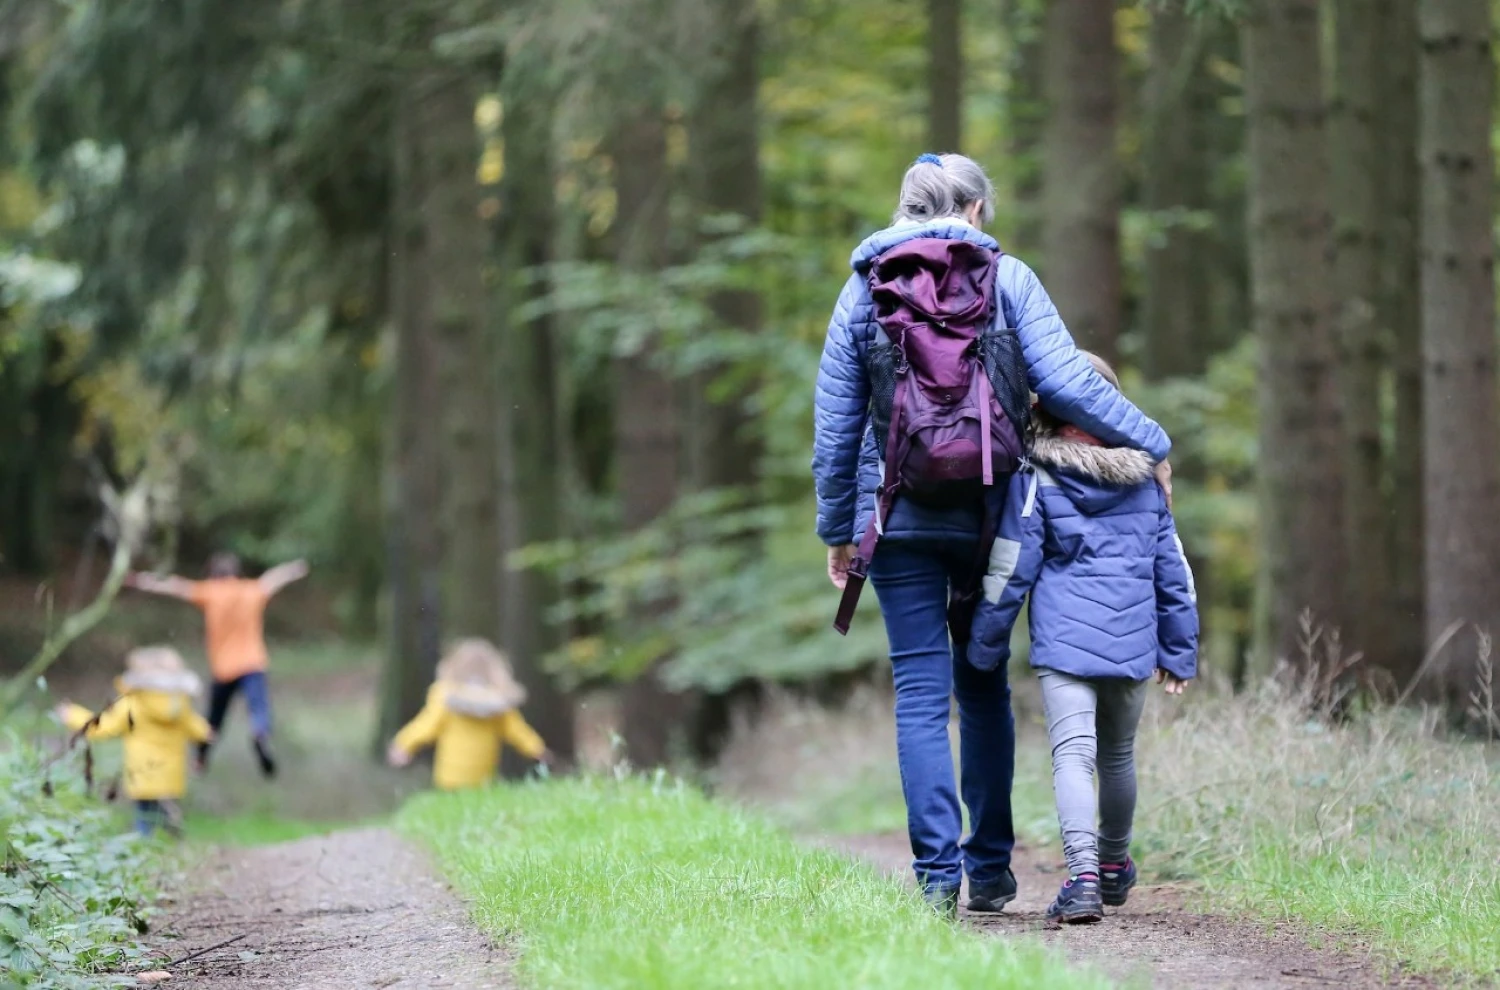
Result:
[[1088, 533], [845, 464]]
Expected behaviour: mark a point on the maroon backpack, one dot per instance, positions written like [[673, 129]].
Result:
[[948, 400]]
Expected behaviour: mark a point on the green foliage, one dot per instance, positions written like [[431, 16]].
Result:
[[223, 199], [73, 891], [628, 883], [749, 594]]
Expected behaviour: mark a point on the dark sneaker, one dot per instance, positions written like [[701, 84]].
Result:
[[267, 761], [943, 900], [1115, 881], [991, 898], [1078, 903]]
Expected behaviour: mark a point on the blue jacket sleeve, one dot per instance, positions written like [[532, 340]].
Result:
[[840, 407], [1063, 378], [1015, 563], [1176, 603]]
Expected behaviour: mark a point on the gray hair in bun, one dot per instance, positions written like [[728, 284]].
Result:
[[939, 186]]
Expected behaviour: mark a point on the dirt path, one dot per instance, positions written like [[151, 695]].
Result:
[[1156, 938], [351, 910]]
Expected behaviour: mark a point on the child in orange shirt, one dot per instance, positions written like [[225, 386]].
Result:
[[234, 610]]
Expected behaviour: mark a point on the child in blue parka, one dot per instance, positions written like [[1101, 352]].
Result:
[[1088, 534]]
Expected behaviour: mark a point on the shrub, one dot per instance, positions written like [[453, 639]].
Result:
[[73, 889]]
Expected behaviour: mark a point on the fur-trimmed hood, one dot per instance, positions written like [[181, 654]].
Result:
[[476, 680], [1117, 466], [158, 669], [1095, 478], [480, 701], [166, 681]]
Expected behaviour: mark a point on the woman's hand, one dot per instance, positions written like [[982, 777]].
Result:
[[839, 559], [1172, 684], [1164, 479], [397, 757]]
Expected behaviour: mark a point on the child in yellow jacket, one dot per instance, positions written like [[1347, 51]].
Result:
[[472, 711], [155, 715]]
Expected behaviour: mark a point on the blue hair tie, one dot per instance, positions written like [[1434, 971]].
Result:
[[928, 158]]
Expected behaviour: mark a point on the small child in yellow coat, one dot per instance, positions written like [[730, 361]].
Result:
[[155, 715], [472, 711]]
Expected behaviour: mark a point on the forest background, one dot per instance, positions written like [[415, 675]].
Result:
[[506, 314]]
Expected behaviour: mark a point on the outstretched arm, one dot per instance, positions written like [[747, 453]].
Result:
[[421, 732], [1062, 377], [519, 733], [171, 586], [114, 721], [282, 575]]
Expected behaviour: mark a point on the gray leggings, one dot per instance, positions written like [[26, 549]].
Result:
[[1091, 723]]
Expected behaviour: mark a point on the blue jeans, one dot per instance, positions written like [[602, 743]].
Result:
[[257, 699], [912, 583], [152, 815]]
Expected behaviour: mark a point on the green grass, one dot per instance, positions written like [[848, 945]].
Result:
[[1376, 832], [1377, 829], [253, 829], [605, 883]]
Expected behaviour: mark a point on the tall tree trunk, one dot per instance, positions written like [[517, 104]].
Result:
[[724, 136], [456, 240], [414, 536], [1301, 520], [1081, 171], [1401, 275], [1354, 143], [945, 76], [724, 142], [1025, 112], [534, 486], [1177, 308], [1177, 159], [1458, 330], [646, 427]]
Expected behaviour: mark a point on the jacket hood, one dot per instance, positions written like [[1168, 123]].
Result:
[[165, 707], [478, 701], [882, 241], [168, 681], [1095, 478]]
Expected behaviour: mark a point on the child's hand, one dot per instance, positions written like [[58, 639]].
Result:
[[397, 757], [1171, 682], [1164, 479], [60, 711]]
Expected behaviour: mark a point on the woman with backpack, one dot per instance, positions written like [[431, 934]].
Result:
[[920, 408]]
